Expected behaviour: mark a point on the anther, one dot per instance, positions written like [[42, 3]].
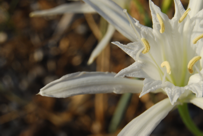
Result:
[[146, 45], [192, 62], [129, 19], [167, 65], [161, 22], [184, 15], [197, 39]]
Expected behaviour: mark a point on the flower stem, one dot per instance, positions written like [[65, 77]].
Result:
[[120, 111], [184, 113]]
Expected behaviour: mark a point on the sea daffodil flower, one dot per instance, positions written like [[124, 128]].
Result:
[[79, 7], [168, 57]]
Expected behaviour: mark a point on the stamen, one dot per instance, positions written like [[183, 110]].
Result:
[[146, 45], [167, 65], [197, 39], [133, 26], [192, 62], [184, 15], [161, 22], [168, 70]]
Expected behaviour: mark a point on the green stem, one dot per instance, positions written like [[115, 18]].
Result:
[[184, 113], [120, 111]]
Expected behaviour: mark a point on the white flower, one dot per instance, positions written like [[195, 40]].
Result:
[[168, 57], [79, 7], [175, 44]]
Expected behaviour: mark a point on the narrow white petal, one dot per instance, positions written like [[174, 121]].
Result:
[[90, 83], [134, 70], [195, 6], [75, 7], [102, 44], [197, 101], [131, 49], [156, 10], [179, 9], [114, 15], [140, 69], [144, 124]]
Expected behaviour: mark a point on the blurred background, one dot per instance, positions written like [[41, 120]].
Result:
[[37, 50]]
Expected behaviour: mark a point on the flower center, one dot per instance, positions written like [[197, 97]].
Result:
[[179, 75], [174, 46], [191, 64]]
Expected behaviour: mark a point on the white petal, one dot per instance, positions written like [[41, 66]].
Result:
[[131, 49], [195, 84], [151, 85], [114, 15], [179, 9], [173, 92], [134, 70], [197, 101], [197, 29], [196, 88], [144, 124], [102, 44], [156, 10], [90, 83], [140, 70], [195, 6], [75, 7]]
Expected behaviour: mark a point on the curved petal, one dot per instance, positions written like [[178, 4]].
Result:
[[195, 84], [179, 9], [144, 124], [114, 15], [151, 85], [65, 8], [140, 69], [171, 90], [197, 29], [156, 10], [195, 6], [102, 44], [174, 92], [90, 83], [131, 49], [197, 101]]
